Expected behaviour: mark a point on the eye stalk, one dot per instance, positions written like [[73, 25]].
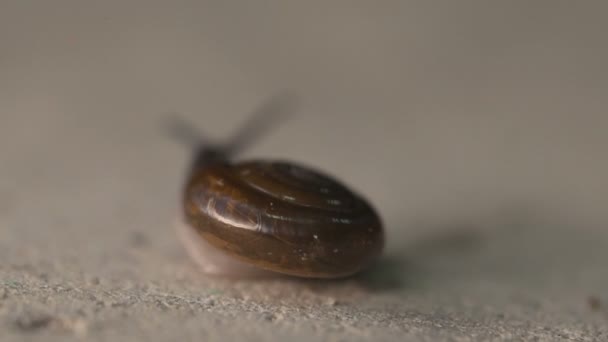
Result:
[[268, 114]]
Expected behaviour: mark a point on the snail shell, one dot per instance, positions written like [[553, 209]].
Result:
[[281, 217]]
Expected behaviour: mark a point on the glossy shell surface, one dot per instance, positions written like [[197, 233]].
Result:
[[283, 217]]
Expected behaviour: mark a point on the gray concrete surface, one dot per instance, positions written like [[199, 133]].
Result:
[[477, 129]]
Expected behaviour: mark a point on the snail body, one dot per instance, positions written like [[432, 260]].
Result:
[[275, 216]]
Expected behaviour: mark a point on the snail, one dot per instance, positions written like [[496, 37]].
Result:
[[260, 216]]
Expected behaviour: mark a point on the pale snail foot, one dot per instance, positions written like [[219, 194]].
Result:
[[210, 259]]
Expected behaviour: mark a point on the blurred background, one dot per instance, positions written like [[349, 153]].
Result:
[[449, 116]]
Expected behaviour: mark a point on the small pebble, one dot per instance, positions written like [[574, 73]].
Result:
[[208, 301], [272, 317], [163, 305], [31, 321], [331, 301]]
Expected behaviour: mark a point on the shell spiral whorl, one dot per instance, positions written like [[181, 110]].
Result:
[[283, 217]]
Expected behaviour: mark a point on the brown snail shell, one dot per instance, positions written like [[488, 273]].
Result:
[[282, 217]]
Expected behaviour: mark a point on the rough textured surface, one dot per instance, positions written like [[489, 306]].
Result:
[[478, 130]]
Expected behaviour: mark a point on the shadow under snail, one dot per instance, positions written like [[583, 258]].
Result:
[[251, 217]]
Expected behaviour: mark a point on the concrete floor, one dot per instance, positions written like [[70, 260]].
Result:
[[477, 130]]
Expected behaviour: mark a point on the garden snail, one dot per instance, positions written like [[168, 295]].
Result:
[[278, 216]]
